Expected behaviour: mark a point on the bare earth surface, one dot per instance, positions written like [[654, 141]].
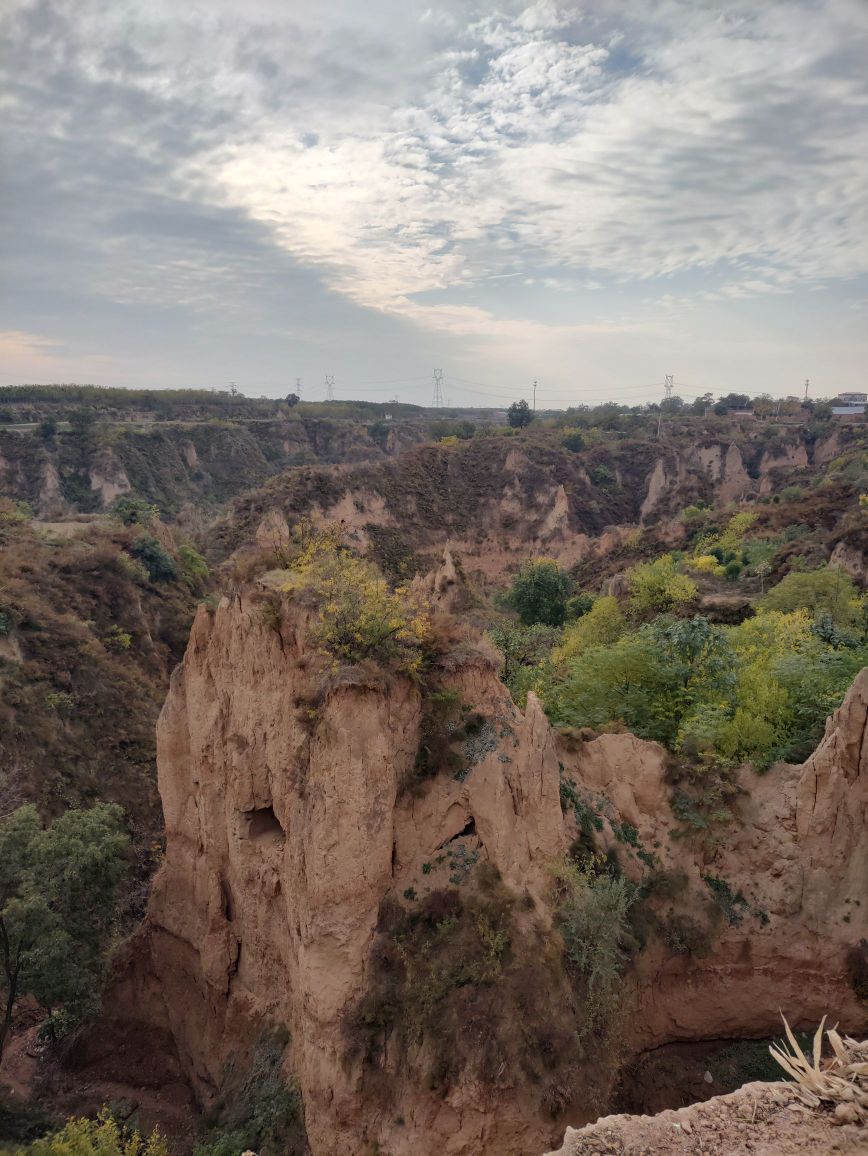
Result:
[[759, 1119]]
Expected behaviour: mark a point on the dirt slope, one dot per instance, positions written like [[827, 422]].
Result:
[[758, 1119]]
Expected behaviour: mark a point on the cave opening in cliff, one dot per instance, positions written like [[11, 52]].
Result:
[[468, 831], [262, 823]]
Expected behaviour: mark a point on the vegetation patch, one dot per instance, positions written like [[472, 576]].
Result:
[[259, 1108], [456, 983], [592, 908]]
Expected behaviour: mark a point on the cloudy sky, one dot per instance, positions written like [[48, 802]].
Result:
[[590, 194]]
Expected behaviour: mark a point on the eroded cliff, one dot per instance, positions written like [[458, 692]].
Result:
[[305, 841]]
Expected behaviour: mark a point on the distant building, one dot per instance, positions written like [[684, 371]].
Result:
[[850, 405]]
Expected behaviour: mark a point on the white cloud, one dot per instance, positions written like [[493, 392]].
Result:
[[730, 139], [434, 165]]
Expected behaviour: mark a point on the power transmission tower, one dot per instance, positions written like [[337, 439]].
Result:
[[233, 388], [298, 388], [439, 400], [330, 385], [668, 384], [534, 395], [807, 383]]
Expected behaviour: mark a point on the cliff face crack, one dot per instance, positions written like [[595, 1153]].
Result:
[[858, 768]]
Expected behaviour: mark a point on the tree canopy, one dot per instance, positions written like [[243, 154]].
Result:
[[519, 414], [539, 592], [58, 895]]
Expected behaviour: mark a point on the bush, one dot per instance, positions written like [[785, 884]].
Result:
[[465, 989], [602, 476], [194, 568], [579, 605], [118, 640], [829, 590], [158, 562], [756, 692], [134, 511], [523, 648], [592, 918], [657, 586], [574, 442], [263, 1111], [103, 1136], [602, 625]]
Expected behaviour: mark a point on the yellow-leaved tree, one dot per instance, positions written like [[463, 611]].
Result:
[[100, 1137], [360, 616]]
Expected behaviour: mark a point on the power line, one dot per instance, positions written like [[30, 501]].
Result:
[[668, 386]]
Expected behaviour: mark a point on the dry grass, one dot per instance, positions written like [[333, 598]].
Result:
[[840, 1081]]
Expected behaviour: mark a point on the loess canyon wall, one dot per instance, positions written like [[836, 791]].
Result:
[[494, 500], [292, 832]]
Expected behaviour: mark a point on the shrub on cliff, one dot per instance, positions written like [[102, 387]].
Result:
[[259, 1109], [525, 650], [134, 511], [464, 987], [360, 616], [592, 918], [601, 625]]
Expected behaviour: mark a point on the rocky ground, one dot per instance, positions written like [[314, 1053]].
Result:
[[759, 1119]]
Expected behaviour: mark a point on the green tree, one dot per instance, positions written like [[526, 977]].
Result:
[[601, 625], [657, 586], [523, 648], [592, 915], [134, 511], [58, 895], [628, 683], [194, 568], [83, 422], [100, 1137], [540, 592], [519, 414], [828, 590]]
